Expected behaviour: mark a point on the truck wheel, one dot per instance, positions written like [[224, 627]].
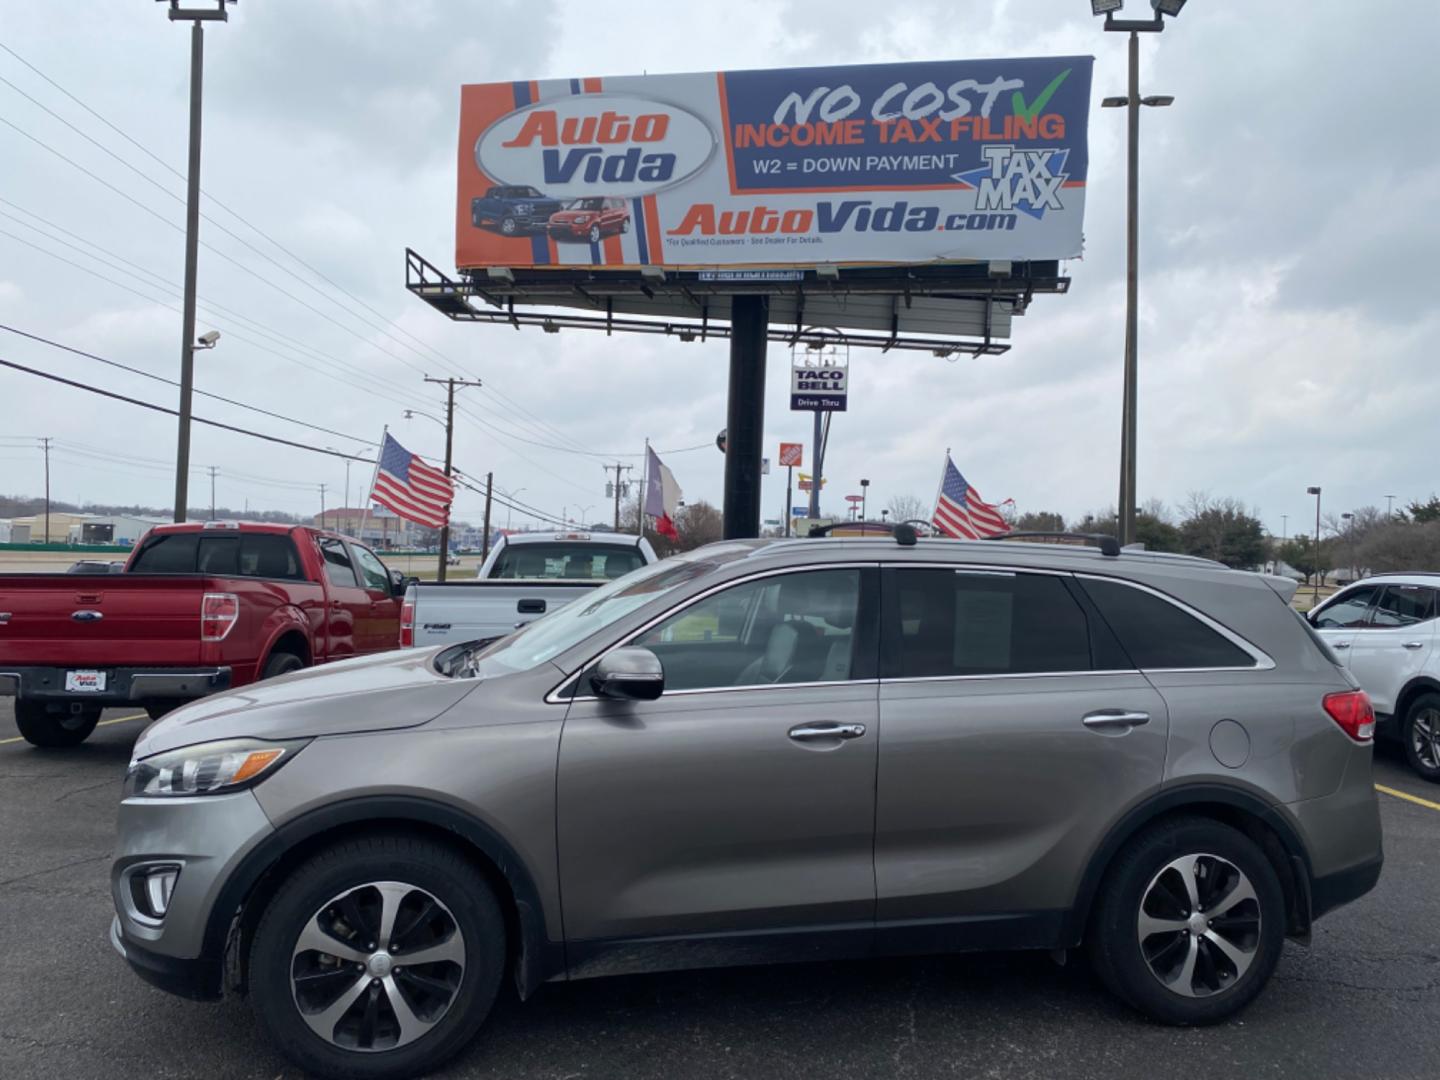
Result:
[[508, 226], [379, 957], [594, 234], [41, 727], [281, 663], [625, 225]]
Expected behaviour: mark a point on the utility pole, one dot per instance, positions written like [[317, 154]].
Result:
[[618, 467], [485, 541], [322, 506], [450, 386], [45, 443], [192, 240], [213, 471]]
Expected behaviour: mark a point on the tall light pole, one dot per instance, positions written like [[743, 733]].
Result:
[[1284, 527], [196, 17], [510, 497], [864, 495], [1132, 102], [1389, 504], [1316, 492]]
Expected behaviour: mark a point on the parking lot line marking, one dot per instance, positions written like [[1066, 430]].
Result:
[[1408, 797], [104, 723]]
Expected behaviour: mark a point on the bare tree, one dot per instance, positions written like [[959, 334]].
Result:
[[907, 508]]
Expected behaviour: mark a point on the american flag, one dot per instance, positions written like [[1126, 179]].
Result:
[[416, 491], [960, 512]]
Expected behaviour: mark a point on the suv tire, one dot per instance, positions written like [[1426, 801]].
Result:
[[54, 731], [436, 901], [1421, 734], [1187, 969]]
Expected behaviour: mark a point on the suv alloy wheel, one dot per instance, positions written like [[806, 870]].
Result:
[[380, 956]]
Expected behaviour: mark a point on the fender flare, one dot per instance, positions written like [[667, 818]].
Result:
[[1417, 685], [540, 956], [286, 619], [1178, 798]]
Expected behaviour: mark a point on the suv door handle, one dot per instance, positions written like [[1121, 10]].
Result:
[[1339, 644], [1103, 719], [1413, 645], [827, 731]]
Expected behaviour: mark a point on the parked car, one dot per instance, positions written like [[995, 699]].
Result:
[[512, 210], [590, 218], [199, 608], [1383, 628], [525, 576], [97, 566], [762, 751]]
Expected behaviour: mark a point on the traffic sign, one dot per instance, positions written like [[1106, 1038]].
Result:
[[792, 454]]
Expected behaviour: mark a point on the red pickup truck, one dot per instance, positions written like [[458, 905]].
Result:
[[199, 608]]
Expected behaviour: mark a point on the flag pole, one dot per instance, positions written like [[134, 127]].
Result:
[[644, 477], [939, 490], [375, 475]]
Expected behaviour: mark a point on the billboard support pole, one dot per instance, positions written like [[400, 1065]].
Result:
[[745, 415], [789, 496]]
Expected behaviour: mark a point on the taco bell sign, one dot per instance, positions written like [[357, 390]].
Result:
[[817, 387]]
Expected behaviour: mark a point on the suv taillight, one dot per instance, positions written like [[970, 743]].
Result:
[[219, 612], [1351, 709], [407, 624]]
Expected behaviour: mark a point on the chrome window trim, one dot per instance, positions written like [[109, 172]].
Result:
[[991, 676], [1263, 660], [553, 697]]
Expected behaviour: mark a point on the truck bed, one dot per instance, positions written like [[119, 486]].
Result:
[[484, 608]]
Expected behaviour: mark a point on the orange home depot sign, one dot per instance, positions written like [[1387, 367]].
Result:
[[792, 454]]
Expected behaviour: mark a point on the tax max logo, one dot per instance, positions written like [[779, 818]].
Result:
[[1024, 180]]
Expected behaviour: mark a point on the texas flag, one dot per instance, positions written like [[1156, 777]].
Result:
[[662, 495]]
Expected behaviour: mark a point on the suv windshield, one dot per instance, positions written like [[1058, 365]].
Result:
[[550, 636]]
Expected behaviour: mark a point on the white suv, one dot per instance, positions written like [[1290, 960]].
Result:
[[1384, 630]]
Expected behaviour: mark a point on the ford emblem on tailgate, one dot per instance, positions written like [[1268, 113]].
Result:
[[4, 617], [87, 616]]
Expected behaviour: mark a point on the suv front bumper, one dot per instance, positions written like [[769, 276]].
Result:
[[122, 684], [207, 837]]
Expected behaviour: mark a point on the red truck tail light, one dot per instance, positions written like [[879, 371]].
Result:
[[1351, 709], [219, 611], [407, 624]]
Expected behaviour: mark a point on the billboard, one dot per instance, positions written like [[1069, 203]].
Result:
[[879, 164]]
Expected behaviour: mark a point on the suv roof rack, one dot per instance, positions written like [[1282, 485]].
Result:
[[1108, 545]]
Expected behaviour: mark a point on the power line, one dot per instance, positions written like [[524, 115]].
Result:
[[172, 382], [537, 421], [172, 412]]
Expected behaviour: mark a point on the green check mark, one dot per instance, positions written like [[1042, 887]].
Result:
[[1029, 112]]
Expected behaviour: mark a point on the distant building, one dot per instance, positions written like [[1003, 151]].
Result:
[[60, 523], [121, 529], [6, 527], [379, 528]]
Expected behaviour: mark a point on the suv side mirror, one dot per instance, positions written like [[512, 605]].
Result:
[[629, 674]]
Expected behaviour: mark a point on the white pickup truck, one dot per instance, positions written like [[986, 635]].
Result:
[[526, 575]]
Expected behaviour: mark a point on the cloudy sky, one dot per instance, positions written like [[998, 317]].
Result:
[[1289, 206]]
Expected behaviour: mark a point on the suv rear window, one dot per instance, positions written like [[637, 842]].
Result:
[[567, 561], [958, 622], [1157, 634]]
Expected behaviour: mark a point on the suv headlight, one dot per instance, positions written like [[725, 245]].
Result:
[[211, 768]]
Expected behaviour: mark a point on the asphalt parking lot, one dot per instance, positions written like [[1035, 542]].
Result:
[[1364, 1000]]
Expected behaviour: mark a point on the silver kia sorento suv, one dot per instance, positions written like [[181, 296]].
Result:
[[761, 751]]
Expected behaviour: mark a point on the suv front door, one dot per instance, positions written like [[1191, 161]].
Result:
[[1395, 642], [1013, 737], [724, 806], [1340, 618]]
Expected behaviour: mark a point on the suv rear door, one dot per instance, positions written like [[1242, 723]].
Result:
[[1013, 733], [1393, 644]]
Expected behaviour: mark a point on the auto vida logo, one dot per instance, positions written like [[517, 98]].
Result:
[[595, 144]]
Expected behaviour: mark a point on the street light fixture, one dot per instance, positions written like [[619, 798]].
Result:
[[1131, 102]]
